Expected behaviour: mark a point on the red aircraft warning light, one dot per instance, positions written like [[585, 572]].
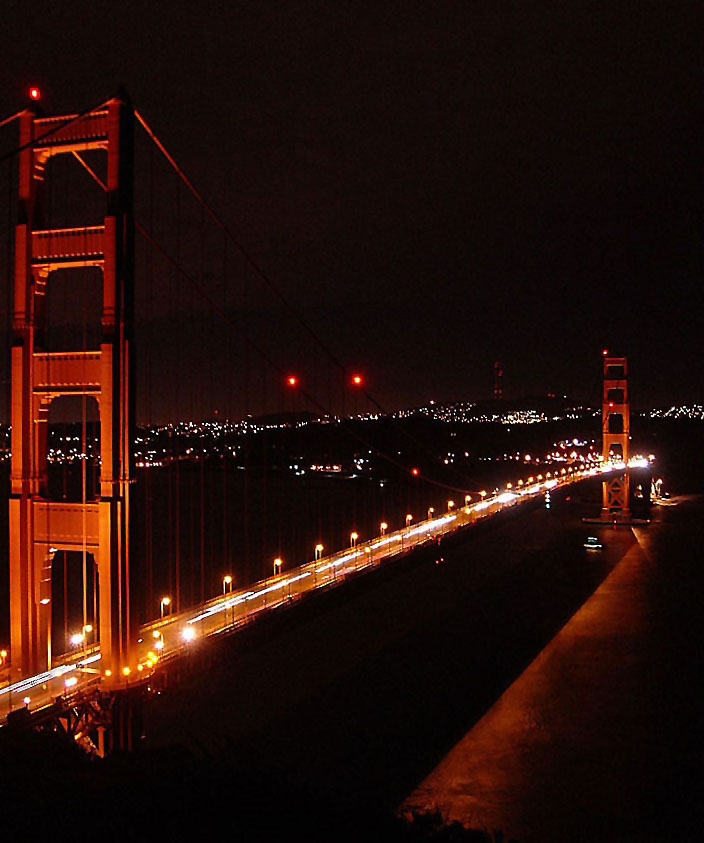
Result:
[[292, 380], [415, 472], [357, 380], [34, 93]]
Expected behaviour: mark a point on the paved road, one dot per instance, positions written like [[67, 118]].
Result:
[[600, 738]]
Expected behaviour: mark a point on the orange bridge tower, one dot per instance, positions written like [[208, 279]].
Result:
[[615, 435], [99, 525]]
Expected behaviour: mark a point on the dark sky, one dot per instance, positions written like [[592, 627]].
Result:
[[434, 186]]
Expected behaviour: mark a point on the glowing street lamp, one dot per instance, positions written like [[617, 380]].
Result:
[[483, 493], [77, 639], [3, 657], [165, 601], [383, 527], [277, 565], [318, 551], [431, 510], [409, 518], [467, 499], [226, 584], [450, 504]]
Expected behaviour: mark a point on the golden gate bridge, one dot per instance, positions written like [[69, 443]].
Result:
[[89, 690]]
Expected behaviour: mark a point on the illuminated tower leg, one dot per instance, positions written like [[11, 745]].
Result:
[[40, 526]]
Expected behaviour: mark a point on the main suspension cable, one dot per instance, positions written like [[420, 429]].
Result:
[[274, 288]]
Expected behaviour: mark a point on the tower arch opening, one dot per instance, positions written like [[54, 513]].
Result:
[[75, 602], [73, 449]]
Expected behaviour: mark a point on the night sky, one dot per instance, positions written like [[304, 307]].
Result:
[[434, 186]]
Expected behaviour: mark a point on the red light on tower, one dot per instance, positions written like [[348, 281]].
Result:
[[34, 93], [292, 381], [415, 472], [357, 380], [605, 352]]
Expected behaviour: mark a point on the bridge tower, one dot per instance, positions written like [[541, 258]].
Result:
[[615, 434], [40, 526]]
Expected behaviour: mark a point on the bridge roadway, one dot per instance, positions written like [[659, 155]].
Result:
[[77, 675]]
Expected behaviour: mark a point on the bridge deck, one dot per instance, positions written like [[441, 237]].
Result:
[[161, 641]]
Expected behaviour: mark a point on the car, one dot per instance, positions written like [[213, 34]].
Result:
[[593, 543]]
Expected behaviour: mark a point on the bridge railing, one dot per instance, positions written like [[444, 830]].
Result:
[[166, 639]]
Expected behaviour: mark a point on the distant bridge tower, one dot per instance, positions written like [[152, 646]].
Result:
[[498, 375], [40, 526], [615, 434]]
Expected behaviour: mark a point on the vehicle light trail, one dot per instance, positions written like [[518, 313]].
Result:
[[167, 637]]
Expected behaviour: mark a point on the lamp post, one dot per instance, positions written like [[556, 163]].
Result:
[[467, 499], [165, 601], [318, 554], [431, 510], [353, 539], [226, 584], [158, 640], [409, 518], [277, 565], [450, 505], [383, 527]]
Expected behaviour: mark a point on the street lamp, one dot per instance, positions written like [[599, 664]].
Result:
[[467, 499], [409, 518], [353, 539], [383, 527], [318, 551], [77, 639], [226, 584], [431, 510], [165, 601], [450, 504], [277, 565]]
